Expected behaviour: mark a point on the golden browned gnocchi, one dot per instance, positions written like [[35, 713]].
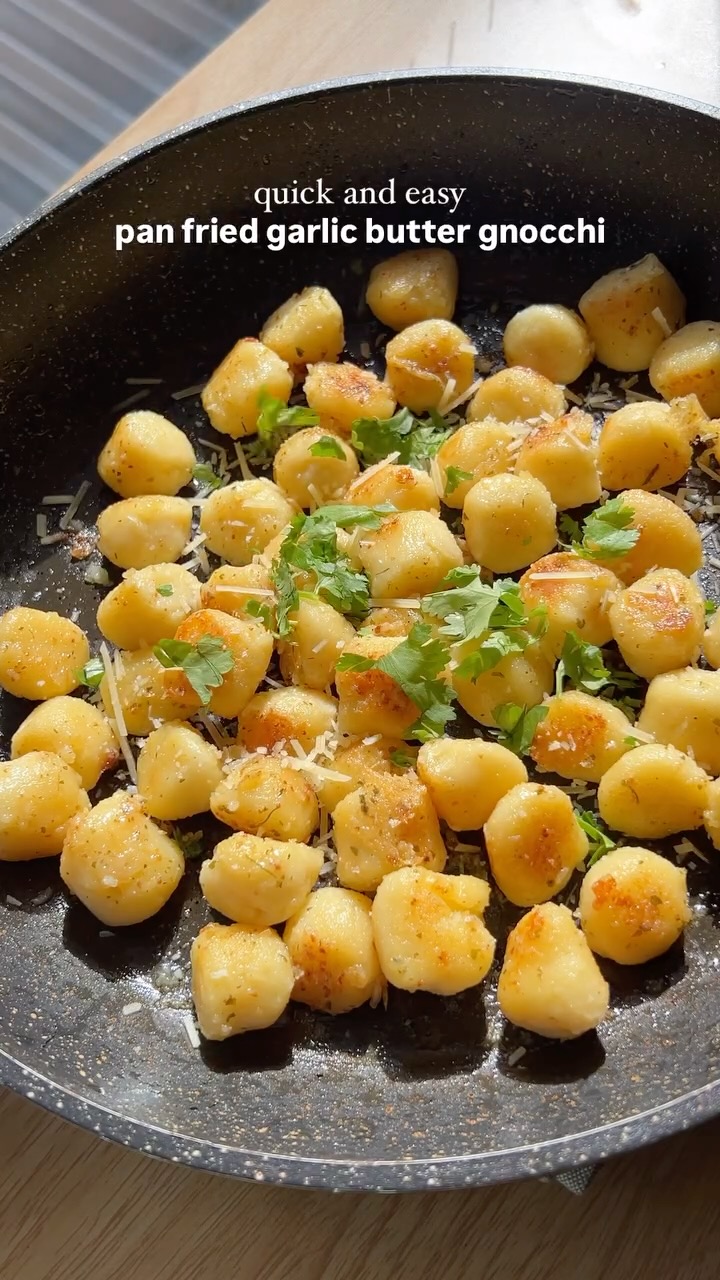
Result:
[[331, 945], [73, 730], [550, 982], [409, 555], [576, 595], [341, 393], [658, 622], [581, 736], [41, 654], [286, 715], [305, 329], [421, 284], [371, 701], [385, 823], [138, 532], [466, 778], [359, 761], [232, 397], [517, 395], [509, 521], [264, 796], [630, 310], [653, 791], [148, 605], [668, 538], [120, 865], [312, 468], [550, 339], [682, 709], [428, 362], [523, 678], [240, 519], [562, 455], [231, 588], [318, 636], [259, 880], [40, 795], [250, 647], [534, 843], [177, 772], [405, 488], [241, 979], [391, 620], [643, 446], [688, 362], [139, 692], [429, 930], [146, 454], [633, 905], [478, 449]]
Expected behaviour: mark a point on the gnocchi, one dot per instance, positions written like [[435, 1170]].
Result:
[[259, 880], [232, 397], [466, 779], [73, 730], [688, 362], [312, 468], [581, 736], [250, 647], [242, 979], [341, 393], [405, 488], [561, 454], [682, 710], [576, 595], [286, 715], [146, 454], [306, 329], [240, 519], [643, 446], [653, 791], [509, 521], [475, 450], [534, 842], [428, 362], [429, 930], [517, 395], [551, 339], [40, 796], [177, 772], [409, 555], [633, 905], [264, 796], [658, 623], [138, 532], [419, 285], [361, 823], [147, 605], [319, 635], [41, 653], [331, 944], [629, 311]]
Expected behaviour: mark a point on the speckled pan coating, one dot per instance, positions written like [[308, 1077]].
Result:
[[432, 1093]]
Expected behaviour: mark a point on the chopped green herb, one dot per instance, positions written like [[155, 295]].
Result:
[[165, 589], [518, 725], [402, 759], [494, 615], [204, 663], [710, 608], [600, 841], [454, 477], [205, 476], [92, 673], [262, 611], [311, 546], [327, 447], [605, 534], [190, 843], [582, 664], [630, 741], [415, 440], [277, 420], [415, 665]]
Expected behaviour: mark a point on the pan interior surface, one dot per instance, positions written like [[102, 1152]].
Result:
[[429, 1092]]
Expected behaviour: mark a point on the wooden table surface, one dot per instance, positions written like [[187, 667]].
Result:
[[75, 1208]]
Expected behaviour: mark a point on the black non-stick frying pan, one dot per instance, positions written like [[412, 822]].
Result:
[[431, 1092]]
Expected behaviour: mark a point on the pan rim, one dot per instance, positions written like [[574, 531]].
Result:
[[452, 1171]]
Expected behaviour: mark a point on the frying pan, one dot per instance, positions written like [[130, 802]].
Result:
[[431, 1093]]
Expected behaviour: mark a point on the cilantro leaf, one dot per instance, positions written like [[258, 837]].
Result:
[[402, 759], [493, 615], [710, 608], [204, 663], [92, 673], [261, 611], [605, 534], [413, 439], [190, 843], [454, 477], [276, 421], [165, 589], [415, 665], [594, 828], [486, 655], [205, 476], [582, 664], [327, 447], [346, 516], [518, 725]]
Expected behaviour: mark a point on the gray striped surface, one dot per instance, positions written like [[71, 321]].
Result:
[[73, 73]]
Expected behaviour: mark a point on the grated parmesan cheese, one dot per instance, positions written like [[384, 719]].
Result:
[[186, 392], [191, 1030], [658, 315], [135, 1007], [120, 727], [75, 505], [245, 471]]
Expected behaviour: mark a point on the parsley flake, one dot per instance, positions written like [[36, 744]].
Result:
[[165, 589], [415, 665], [491, 615], [517, 725], [190, 843], [582, 664], [606, 534], [277, 420], [206, 477], [327, 447], [594, 828], [92, 673], [204, 663], [454, 477]]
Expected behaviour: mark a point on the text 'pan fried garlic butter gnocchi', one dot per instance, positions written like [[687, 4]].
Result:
[[409, 631]]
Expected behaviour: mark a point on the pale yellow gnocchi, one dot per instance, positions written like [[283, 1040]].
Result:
[[384, 824], [318, 635], [630, 310], [73, 730], [667, 537], [509, 521], [475, 450], [551, 339], [517, 395], [534, 843], [575, 594], [562, 455], [120, 865], [658, 622], [550, 982], [581, 736], [41, 653], [341, 393], [40, 795], [331, 945], [633, 905], [259, 880], [521, 678], [232, 397], [136, 695], [371, 701], [286, 715], [146, 454], [405, 488], [467, 777], [305, 329], [418, 285], [409, 555], [682, 709], [241, 979], [265, 796], [653, 791], [177, 772], [429, 362], [148, 605], [240, 519], [643, 446], [250, 648], [429, 930], [231, 588], [137, 532], [688, 362], [313, 468]]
